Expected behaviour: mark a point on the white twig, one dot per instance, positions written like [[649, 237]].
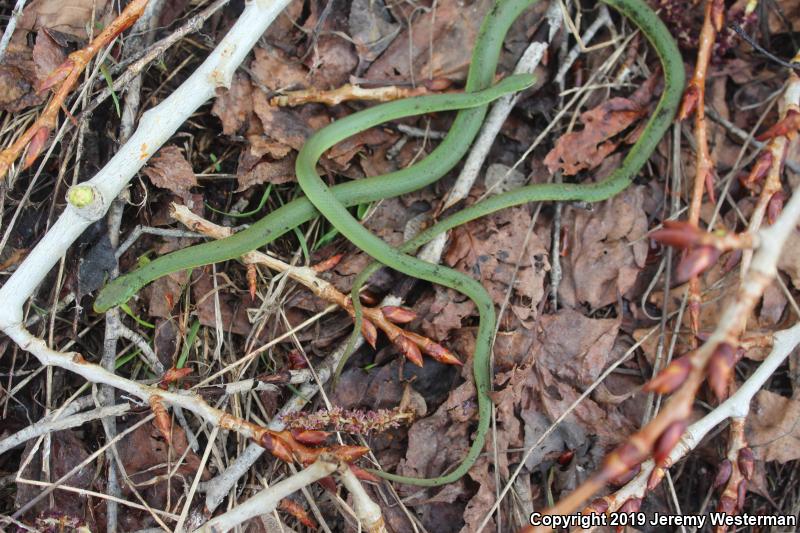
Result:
[[155, 128], [497, 116], [94, 373], [737, 406], [268, 499], [603, 19], [12, 24], [59, 424], [368, 512]]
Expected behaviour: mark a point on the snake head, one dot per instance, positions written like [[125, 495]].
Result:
[[117, 292]]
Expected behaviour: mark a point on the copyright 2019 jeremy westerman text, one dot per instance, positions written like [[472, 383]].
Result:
[[580, 521]]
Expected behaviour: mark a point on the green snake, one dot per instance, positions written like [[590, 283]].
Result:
[[333, 202]]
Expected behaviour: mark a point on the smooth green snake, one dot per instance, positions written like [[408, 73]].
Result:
[[332, 202]]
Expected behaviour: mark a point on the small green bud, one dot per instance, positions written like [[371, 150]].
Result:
[[80, 196]]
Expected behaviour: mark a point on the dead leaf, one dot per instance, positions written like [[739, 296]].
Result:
[[574, 348], [606, 249], [67, 451], [774, 427], [286, 126], [480, 504], [441, 42], [274, 70], [233, 106], [255, 171], [588, 148], [232, 308], [47, 55], [66, 16], [493, 251], [371, 28], [17, 79], [789, 261], [170, 170]]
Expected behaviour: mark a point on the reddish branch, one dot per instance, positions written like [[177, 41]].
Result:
[[714, 361], [694, 101], [66, 77], [410, 344]]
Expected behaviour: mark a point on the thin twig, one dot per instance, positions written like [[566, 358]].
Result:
[[10, 27]]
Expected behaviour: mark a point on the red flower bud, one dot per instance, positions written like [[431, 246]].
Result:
[[667, 441], [788, 124], [746, 462], [398, 315], [741, 495], [689, 102], [310, 437], [623, 478], [720, 369], [677, 233], [599, 506], [327, 264], [655, 478], [276, 446], [696, 262], [297, 360], [671, 377], [369, 332], [566, 457], [363, 475], [775, 206], [349, 454], [36, 146], [409, 349], [442, 354], [759, 170], [723, 473], [297, 511]]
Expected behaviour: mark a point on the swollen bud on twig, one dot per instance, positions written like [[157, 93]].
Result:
[[655, 478], [788, 124], [718, 14], [677, 233], [174, 374], [442, 354], [632, 505], [369, 332], [276, 446], [759, 171], [746, 462], [310, 437], [363, 475], [162, 419], [671, 377], [348, 454], [622, 479], [598, 506], [409, 349], [741, 495], [297, 511], [723, 473], [438, 84], [667, 441], [36, 146], [252, 281], [398, 315], [720, 369], [775, 206], [695, 262], [689, 102], [327, 264]]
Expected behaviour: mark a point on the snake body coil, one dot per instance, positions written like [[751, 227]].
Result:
[[332, 202]]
